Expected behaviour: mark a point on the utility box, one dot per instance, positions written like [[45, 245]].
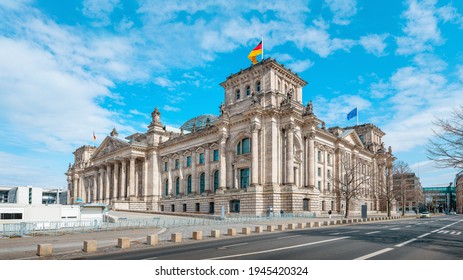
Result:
[[364, 211]]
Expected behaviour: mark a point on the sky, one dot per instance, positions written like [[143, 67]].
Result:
[[71, 68]]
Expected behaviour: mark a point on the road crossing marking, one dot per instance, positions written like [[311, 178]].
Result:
[[406, 242], [374, 254], [373, 232], [408, 226], [453, 232]]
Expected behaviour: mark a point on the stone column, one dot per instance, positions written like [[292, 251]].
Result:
[[107, 196], [290, 155], [68, 196], [311, 159], [74, 188], [222, 162], [95, 187], [230, 179], [131, 189], [116, 180], [145, 179], [169, 177], [100, 184], [137, 181], [255, 154], [123, 182]]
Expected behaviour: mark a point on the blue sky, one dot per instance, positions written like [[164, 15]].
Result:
[[68, 68]]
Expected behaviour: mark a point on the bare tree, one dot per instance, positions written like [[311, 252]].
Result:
[[385, 188], [350, 182], [446, 148], [402, 185]]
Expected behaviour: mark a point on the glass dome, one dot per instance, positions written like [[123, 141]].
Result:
[[199, 121]]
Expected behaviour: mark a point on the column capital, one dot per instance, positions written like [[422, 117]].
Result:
[[255, 127]]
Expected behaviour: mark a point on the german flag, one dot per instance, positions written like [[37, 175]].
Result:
[[255, 52]]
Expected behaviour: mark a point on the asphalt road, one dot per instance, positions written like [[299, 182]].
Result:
[[437, 238]]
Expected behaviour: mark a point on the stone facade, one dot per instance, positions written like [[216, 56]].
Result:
[[265, 150]]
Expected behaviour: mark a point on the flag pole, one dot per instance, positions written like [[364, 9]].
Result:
[[262, 47]]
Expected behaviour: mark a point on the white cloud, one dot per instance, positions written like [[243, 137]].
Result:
[[334, 111], [421, 29], [168, 108], [374, 43], [300, 65], [343, 10], [319, 41], [99, 10]]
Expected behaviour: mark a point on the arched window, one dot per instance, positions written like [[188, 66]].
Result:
[[202, 183], [177, 186], [166, 187], [258, 86], [238, 95], [216, 180], [248, 90], [188, 184], [243, 147]]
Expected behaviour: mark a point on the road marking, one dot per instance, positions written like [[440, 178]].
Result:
[[408, 226], [373, 232], [406, 242], [291, 236], [233, 245], [395, 228], [279, 249], [153, 258], [423, 235], [374, 254], [338, 233], [436, 230], [458, 233]]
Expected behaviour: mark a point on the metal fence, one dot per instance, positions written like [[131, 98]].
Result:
[[66, 227]]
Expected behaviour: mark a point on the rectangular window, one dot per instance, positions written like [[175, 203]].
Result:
[[215, 155], [319, 156], [172, 207], [165, 166], [328, 174], [197, 207], [244, 178], [184, 207], [319, 185], [319, 172], [11, 216], [177, 164], [328, 186], [328, 158], [201, 158], [188, 161]]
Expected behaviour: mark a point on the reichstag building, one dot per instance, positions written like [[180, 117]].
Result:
[[266, 150]]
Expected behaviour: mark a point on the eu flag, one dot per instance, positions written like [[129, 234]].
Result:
[[352, 114]]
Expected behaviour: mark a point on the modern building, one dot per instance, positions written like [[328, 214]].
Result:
[[408, 193], [266, 151], [459, 192], [32, 195], [440, 199]]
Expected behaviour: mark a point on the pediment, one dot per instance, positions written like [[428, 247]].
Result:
[[109, 145], [352, 138]]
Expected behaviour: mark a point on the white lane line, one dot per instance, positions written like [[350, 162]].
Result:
[[279, 249], [406, 242], [436, 230], [285, 237], [423, 235], [458, 233], [338, 233], [374, 254], [373, 232], [395, 228], [153, 258], [408, 226], [233, 245]]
